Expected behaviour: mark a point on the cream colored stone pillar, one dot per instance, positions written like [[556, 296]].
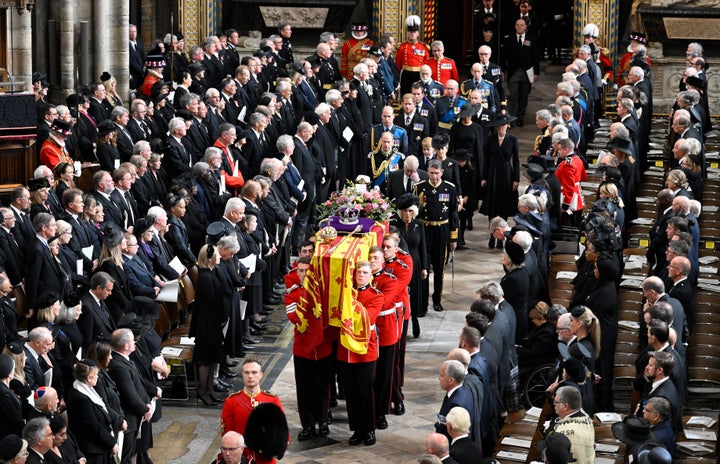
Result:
[[102, 38], [20, 64], [67, 48], [119, 50]]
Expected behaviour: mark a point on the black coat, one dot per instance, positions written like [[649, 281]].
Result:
[[134, 393], [502, 168], [44, 273], [11, 416], [516, 287], [91, 425], [95, 323], [207, 329]]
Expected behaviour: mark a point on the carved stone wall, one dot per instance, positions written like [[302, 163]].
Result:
[[666, 75]]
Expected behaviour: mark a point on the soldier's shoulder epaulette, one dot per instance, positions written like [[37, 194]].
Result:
[[234, 393], [568, 160], [450, 183]]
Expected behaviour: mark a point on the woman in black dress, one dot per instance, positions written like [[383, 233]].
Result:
[[603, 302], [11, 414], [501, 174], [412, 231], [38, 197], [65, 175], [586, 328], [65, 449], [516, 285], [540, 345], [207, 324], [111, 261], [106, 151], [101, 354], [468, 135], [90, 418]]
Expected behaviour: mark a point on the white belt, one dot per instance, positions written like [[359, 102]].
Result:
[[387, 312], [372, 327]]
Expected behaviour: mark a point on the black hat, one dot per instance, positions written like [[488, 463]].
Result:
[[243, 134], [71, 298], [61, 127], [311, 117], [179, 35], [215, 231], [546, 161], [695, 81], [468, 111], [195, 68], [106, 127], [375, 50], [509, 234], [37, 76], [185, 114], [15, 347], [557, 448], [406, 200], [653, 453], [155, 61], [440, 140], [622, 144], [88, 362], [632, 430], [266, 431], [74, 100], [10, 447], [501, 120], [158, 98], [461, 154], [607, 269], [354, 84], [534, 172], [105, 76], [127, 321], [515, 252], [157, 87], [142, 225], [7, 364], [47, 299], [575, 370], [113, 235], [563, 351], [37, 184], [638, 37], [144, 306]]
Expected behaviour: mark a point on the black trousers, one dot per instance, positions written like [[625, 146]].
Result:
[[399, 366], [384, 370], [358, 380], [437, 239], [312, 384]]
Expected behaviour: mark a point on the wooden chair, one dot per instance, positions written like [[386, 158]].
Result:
[[18, 293], [162, 323]]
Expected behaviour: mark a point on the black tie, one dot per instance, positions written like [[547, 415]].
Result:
[[408, 187], [520, 40]]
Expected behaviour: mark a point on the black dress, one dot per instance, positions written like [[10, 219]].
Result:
[[516, 287], [471, 139], [206, 326], [414, 236], [538, 348], [106, 155], [502, 168]]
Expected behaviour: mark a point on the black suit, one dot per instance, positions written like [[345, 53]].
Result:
[[23, 231], [33, 371], [200, 139], [659, 241], [113, 213], [43, 273], [137, 130], [177, 160], [396, 185], [666, 390], [127, 206], [325, 152], [13, 257], [98, 111], [518, 59], [464, 451], [137, 64], [177, 237], [684, 293], [95, 322]]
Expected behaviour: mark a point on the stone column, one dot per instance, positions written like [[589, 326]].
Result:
[[67, 48], [21, 65], [120, 48], [102, 38]]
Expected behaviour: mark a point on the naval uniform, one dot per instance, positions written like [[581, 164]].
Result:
[[382, 165], [438, 210], [447, 111]]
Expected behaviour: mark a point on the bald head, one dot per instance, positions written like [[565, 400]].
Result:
[[459, 354], [437, 444]]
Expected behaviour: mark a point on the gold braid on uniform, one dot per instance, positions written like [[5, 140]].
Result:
[[383, 166]]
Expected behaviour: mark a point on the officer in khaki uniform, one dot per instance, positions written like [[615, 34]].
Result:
[[438, 210]]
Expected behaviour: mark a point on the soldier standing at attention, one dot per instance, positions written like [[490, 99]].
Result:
[[411, 55], [438, 210]]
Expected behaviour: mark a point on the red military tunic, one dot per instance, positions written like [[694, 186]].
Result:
[[443, 69], [231, 180], [401, 266], [570, 172], [150, 79], [52, 154], [387, 321], [624, 68], [372, 302], [353, 51], [411, 56], [302, 347]]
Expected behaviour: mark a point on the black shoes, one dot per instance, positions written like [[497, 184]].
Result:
[[355, 439], [438, 307], [369, 439], [227, 373], [324, 430], [381, 423], [274, 301], [251, 341], [217, 388], [223, 383], [306, 433], [207, 400], [399, 408]]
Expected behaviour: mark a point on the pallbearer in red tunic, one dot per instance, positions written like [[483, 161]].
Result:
[[443, 68], [358, 368], [387, 324], [399, 263], [355, 49], [411, 55], [311, 360]]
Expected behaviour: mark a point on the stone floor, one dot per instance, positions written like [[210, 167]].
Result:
[[188, 433]]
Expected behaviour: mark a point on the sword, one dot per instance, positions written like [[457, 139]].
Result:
[[452, 268]]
